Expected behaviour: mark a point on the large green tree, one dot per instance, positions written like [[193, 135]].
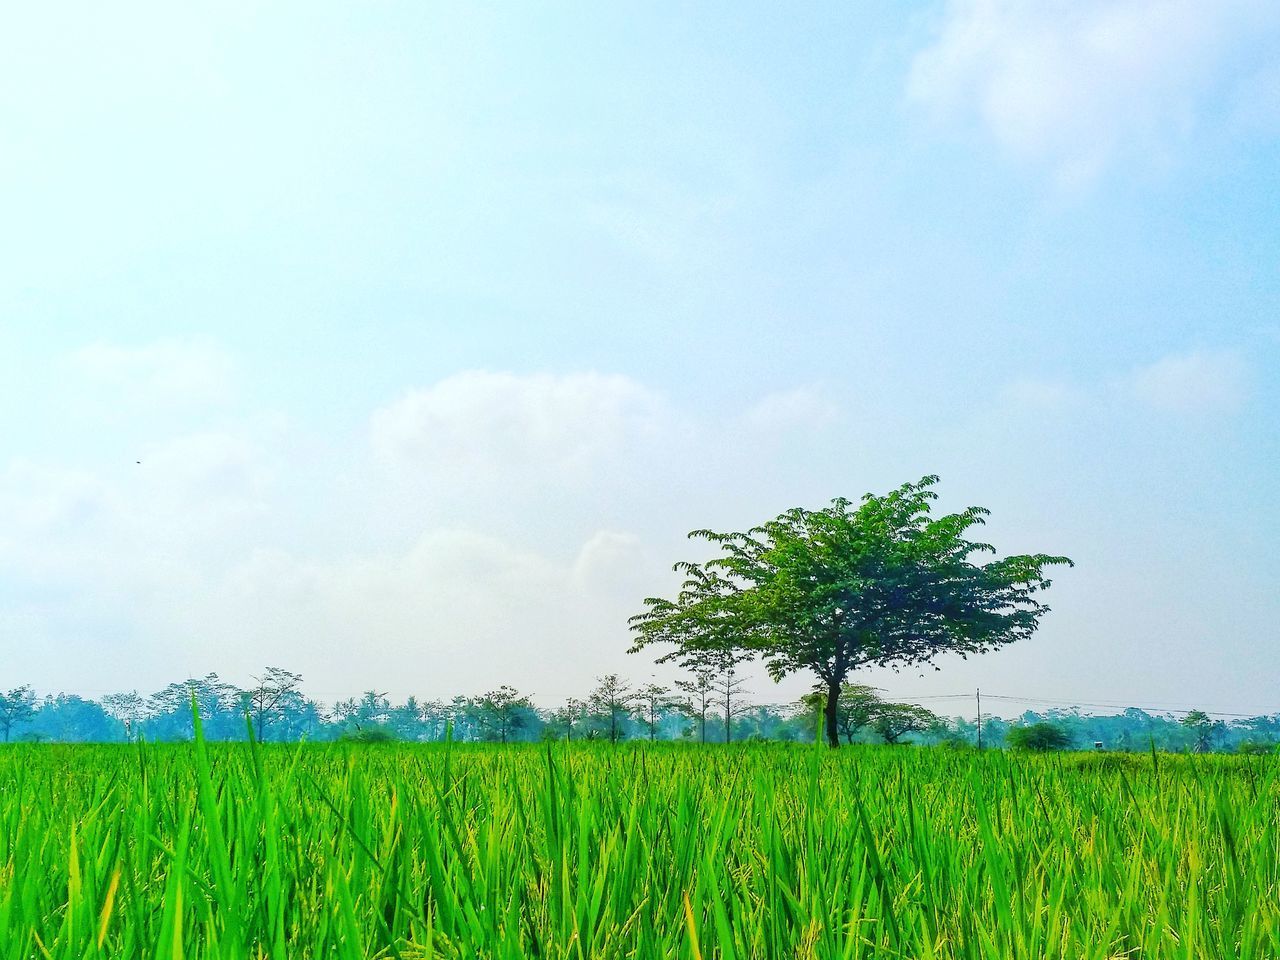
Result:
[[829, 591]]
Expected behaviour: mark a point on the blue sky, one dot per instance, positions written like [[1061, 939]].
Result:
[[436, 327]]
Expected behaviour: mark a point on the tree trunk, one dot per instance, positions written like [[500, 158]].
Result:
[[831, 711], [728, 720]]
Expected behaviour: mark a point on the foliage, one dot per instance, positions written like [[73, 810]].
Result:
[[893, 721], [651, 701], [832, 590], [856, 707], [17, 706], [860, 708], [612, 698], [1254, 748], [269, 695], [373, 734], [699, 691], [503, 711], [1202, 728], [1038, 736]]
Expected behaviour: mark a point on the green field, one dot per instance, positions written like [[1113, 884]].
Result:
[[634, 851]]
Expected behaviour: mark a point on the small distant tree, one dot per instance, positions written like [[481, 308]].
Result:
[[568, 716], [297, 717], [16, 707], [612, 698], [1264, 729], [1039, 737], [67, 718], [699, 691], [268, 694], [893, 721], [221, 707], [432, 718], [371, 709], [729, 689], [1202, 730], [652, 699], [502, 711], [127, 708]]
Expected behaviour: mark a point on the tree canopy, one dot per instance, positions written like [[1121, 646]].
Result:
[[1038, 736], [881, 581]]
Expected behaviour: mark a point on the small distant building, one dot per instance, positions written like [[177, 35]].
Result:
[[1097, 745]]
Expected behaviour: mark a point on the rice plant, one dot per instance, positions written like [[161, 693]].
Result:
[[669, 850]]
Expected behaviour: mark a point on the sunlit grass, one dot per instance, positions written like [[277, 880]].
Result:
[[670, 851]]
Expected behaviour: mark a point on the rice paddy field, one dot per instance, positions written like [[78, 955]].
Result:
[[680, 851]]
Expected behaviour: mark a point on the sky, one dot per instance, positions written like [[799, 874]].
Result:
[[401, 344]]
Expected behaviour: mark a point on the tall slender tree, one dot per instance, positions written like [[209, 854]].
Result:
[[652, 699], [612, 697], [729, 687], [268, 693], [699, 691]]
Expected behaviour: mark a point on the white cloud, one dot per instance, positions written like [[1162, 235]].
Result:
[[186, 372], [1041, 394], [192, 502], [608, 557], [479, 422], [1197, 382], [804, 408], [456, 611], [497, 549], [1074, 84]]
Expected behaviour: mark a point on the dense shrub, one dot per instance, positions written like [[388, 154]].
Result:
[[1038, 736], [369, 735]]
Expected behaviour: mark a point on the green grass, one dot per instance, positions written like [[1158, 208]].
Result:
[[667, 851]]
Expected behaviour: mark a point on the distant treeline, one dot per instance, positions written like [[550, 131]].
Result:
[[706, 709]]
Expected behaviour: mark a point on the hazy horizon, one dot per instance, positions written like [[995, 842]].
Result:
[[401, 346]]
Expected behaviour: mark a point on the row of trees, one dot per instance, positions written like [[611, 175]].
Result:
[[705, 707]]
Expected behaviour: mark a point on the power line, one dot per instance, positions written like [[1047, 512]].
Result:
[[1100, 704]]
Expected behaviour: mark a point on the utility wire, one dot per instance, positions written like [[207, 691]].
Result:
[[1100, 704]]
